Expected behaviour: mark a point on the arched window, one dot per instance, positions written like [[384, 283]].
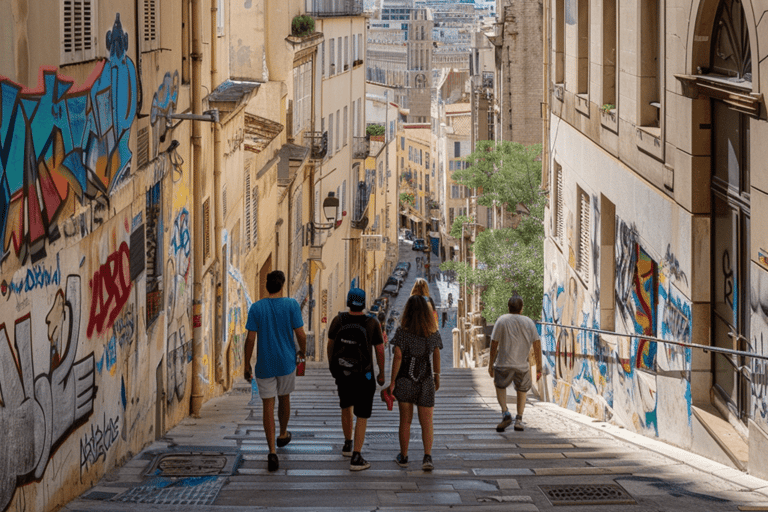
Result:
[[731, 54]]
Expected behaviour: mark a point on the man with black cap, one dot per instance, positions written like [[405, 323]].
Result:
[[352, 337]]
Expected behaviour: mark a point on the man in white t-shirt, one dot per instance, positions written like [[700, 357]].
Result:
[[511, 341]]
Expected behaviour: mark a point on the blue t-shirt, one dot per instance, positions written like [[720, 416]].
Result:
[[274, 321]]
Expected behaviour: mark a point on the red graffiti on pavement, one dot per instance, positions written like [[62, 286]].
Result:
[[110, 289]]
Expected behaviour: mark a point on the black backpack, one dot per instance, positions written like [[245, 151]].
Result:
[[350, 348]]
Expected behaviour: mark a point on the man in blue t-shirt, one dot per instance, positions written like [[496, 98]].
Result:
[[276, 319]]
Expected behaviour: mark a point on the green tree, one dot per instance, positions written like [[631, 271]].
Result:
[[509, 259]]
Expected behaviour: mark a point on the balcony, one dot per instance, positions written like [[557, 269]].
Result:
[[317, 143], [360, 148], [362, 199], [331, 8]]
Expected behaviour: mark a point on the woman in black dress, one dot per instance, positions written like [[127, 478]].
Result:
[[415, 377]]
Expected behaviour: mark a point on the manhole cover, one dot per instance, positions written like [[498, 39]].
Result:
[[594, 494], [192, 464], [172, 491]]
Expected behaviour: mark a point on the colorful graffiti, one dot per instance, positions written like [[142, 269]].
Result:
[[154, 240], [615, 377], [32, 278], [180, 260], [62, 139], [163, 104], [110, 289], [39, 408]]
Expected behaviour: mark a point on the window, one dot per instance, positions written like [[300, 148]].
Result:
[[255, 215], [220, 18], [451, 215], [650, 64], [340, 59], [426, 159], [78, 21], [559, 42], [454, 192], [346, 53], [582, 69], [330, 135], [322, 59], [607, 261], [557, 210], [346, 123], [582, 265], [338, 122], [332, 57], [609, 52], [344, 196], [302, 94], [402, 143], [360, 118], [457, 149], [150, 28]]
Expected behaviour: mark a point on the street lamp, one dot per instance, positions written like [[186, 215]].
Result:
[[330, 209]]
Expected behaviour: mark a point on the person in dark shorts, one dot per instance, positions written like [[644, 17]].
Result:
[[415, 377], [351, 338], [512, 338]]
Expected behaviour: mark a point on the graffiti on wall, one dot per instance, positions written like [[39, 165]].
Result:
[[97, 441], [154, 241], [42, 402], [164, 104], [616, 376], [178, 357], [62, 140], [34, 277], [179, 262], [759, 344], [110, 289]]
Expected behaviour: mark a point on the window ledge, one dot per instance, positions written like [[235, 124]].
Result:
[[582, 104], [648, 139], [609, 119], [559, 90]]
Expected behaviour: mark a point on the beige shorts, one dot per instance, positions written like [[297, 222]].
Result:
[[276, 386], [503, 377]]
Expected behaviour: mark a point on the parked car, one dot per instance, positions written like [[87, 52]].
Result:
[[404, 267], [419, 245], [392, 286], [401, 273]]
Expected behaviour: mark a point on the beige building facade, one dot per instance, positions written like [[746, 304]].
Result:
[[654, 227]]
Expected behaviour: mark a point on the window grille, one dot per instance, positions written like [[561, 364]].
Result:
[[559, 203]]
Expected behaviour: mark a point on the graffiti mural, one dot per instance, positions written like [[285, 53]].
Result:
[[110, 289], [62, 139], [759, 344], [41, 404], [179, 263], [617, 377], [163, 104], [154, 241]]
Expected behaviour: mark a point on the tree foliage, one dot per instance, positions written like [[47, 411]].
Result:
[[509, 259], [406, 198]]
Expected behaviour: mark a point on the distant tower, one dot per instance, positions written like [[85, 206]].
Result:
[[420, 47]]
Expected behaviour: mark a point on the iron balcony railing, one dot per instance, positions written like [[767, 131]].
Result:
[[330, 8], [360, 147], [318, 144], [362, 199]]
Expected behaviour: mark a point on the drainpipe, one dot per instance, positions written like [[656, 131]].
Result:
[[196, 400], [220, 261], [546, 27]]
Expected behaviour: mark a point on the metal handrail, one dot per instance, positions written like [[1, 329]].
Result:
[[705, 348]]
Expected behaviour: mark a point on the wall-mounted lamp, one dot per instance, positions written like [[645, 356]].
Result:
[[330, 210], [209, 116]]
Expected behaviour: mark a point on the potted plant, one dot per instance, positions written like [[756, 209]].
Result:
[[302, 26]]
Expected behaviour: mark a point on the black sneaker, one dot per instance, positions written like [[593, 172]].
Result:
[[358, 463], [347, 449], [427, 465], [506, 420], [273, 464], [401, 461]]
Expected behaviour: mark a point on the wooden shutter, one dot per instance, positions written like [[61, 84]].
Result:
[[247, 207], [255, 215], [150, 25], [559, 203], [584, 243], [206, 229], [77, 31]]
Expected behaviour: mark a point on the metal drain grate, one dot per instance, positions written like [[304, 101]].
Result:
[[192, 464], [594, 494], [100, 495], [167, 491]]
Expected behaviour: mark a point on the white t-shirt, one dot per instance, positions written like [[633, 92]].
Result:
[[515, 334]]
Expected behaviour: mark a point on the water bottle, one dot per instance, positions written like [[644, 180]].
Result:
[[254, 389]]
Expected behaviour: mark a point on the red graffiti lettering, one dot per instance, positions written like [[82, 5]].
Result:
[[110, 288]]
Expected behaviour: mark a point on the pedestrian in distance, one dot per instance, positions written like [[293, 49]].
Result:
[[421, 287], [273, 321], [352, 337], [512, 339], [415, 375]]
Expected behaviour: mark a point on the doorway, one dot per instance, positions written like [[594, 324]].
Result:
[[730, 255]]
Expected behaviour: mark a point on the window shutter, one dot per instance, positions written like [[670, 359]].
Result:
[[584, 244], [206, 229], [559, 204], [344, 196], [142, 147], [247, 207], [150, 24], [77, 31], [255, 215], [224, 201]]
